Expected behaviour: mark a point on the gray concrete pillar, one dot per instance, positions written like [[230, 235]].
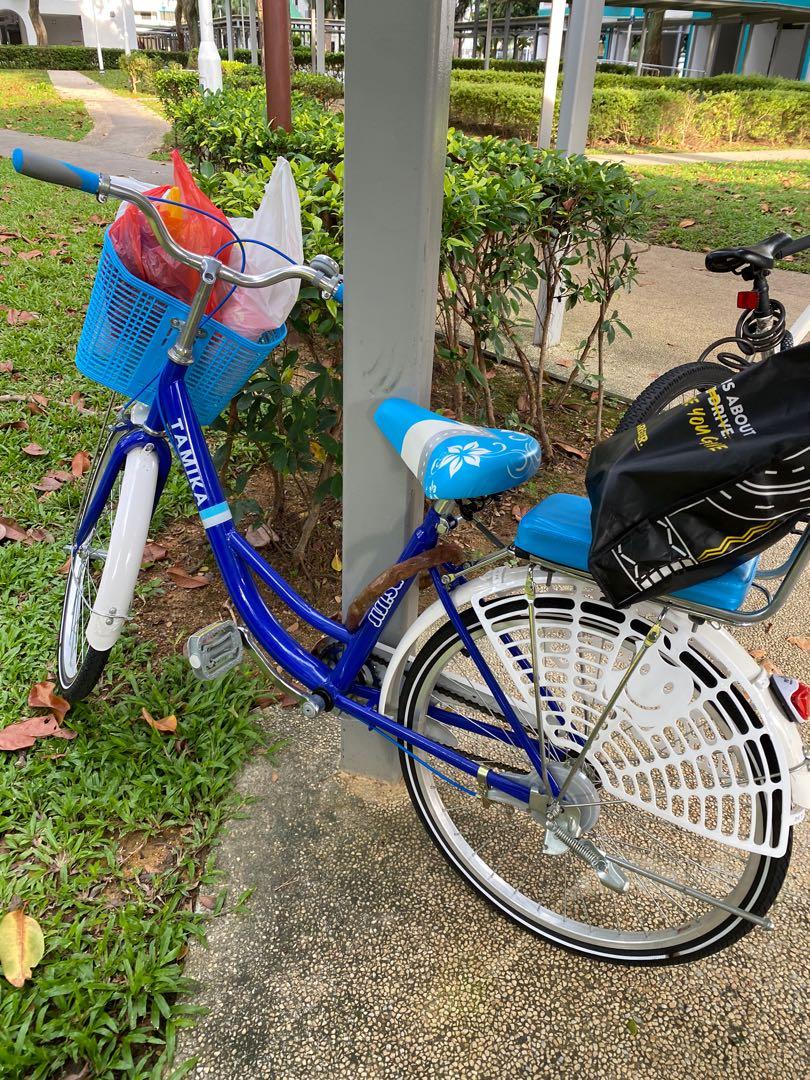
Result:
[[397, 102]]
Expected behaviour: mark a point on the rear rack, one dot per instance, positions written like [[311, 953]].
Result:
[[787, 573]]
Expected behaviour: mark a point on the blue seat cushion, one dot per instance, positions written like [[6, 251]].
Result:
[[453, 460], [559, 529]]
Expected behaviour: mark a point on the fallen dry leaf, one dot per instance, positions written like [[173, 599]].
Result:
[[757, 654], [686, 223], [10, 530], [518, 511], [80, 463], [802, 643], [261, 536], [574, 451], [22, 946], [42, 695], [48, 483], [34, 450], [14, 317], [153, 553], [6, 367], [184, 580], [29, 254], [167, 723], [24, 733]]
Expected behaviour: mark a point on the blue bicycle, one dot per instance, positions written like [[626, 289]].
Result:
[[622, 783]]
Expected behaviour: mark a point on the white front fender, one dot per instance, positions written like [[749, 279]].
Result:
[[129, 532]]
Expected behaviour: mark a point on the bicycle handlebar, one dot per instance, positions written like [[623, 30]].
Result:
[[798, 245], [52, 171]]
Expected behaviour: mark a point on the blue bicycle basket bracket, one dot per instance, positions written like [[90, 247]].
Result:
[[130, 326]]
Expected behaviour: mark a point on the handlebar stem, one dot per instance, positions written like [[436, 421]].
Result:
[[181, 351]]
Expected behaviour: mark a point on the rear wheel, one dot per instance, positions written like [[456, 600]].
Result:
[[503, 852], [671, 389]]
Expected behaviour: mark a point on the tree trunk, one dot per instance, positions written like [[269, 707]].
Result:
[[178, 26], [655, 33], [39, 25]]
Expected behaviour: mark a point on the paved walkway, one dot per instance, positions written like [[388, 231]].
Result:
[[360, 954], [794, 154], [123, 135]]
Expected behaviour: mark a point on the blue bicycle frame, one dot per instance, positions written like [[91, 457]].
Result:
[[172, 416]]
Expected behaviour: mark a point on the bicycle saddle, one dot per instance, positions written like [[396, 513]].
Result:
[[453, 460], [761, 256]]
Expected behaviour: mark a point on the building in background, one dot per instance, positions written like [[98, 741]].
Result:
[[707, 37], [71, 22]]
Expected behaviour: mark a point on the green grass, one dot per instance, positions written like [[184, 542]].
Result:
[[117, 81], [731, 204], [29, 103], [105, 996]]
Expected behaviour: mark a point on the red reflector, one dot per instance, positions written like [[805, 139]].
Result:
[[748, 299], [800, 700]]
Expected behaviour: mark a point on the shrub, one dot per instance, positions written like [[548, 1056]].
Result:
[[321, 87], [173, 85], [500, 107], [139, 69], [513, 217], [302, 58], [74, 57]]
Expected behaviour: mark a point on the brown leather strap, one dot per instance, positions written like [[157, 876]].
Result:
[[445, 552]]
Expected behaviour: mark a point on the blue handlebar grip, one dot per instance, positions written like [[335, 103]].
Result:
[[337, 295], [53, 171]]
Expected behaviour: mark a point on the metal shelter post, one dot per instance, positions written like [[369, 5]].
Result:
[[209, 62], [398, 59], [320, 39], [229, 28], [488, 39], [254, 38], [555, 36], [579, 70]]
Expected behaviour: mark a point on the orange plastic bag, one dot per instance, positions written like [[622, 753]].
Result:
[[137, 248]]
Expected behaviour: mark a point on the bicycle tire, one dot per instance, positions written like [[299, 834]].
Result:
[[76, 680], [766, 879], [667, 388]]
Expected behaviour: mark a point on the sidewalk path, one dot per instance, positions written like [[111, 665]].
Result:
[[797, 154], [120, 124], [123, 136], [361, 955]]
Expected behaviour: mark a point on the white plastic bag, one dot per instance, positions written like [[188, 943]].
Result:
[[278, 222]]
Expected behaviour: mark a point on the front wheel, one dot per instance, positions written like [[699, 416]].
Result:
[[503, 852], [672, 388], [105, 557]]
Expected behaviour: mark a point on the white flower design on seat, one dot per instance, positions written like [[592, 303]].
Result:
[[456, 456]]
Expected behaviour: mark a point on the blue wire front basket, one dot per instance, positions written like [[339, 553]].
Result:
[[130, 326]]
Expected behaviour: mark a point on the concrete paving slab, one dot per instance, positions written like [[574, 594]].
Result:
[[360, 954], [120, 124], [782, 154], [674, 311]]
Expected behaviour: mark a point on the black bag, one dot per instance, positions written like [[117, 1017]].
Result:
[[705, 486]]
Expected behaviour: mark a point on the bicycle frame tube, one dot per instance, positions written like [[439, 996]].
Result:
[[238, 562]]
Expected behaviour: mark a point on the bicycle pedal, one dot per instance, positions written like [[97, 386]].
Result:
[[214, 650]]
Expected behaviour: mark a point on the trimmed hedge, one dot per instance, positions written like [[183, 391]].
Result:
[[713, 85], [302, 58], [641, 117], [74, 57], [467, 63]]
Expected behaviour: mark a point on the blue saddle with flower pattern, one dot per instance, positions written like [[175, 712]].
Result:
[[454, 460]]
